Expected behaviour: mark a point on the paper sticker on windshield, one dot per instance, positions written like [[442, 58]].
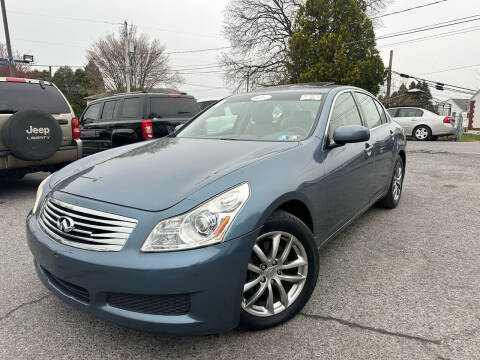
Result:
[[311, 97], [261, 97], [287, 138]]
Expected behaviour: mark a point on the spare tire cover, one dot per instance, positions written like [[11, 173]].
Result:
[[32, 135]]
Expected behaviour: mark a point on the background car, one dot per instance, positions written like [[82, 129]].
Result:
[[38, 129], [214, 227], [205, 103], [422, 124], [129, 118]]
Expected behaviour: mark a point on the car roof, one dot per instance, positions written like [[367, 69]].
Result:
[[142, 93]]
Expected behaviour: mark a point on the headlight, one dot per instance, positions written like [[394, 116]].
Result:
[[202, 226], [39, 194]]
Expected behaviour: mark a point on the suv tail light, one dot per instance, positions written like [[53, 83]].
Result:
[[147, 129], [14, 79], [76, 128], [446, 120]]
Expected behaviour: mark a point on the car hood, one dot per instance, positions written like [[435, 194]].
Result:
[[161, 173]]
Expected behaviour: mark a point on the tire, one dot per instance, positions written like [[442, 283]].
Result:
[[391, 200], [289, 229], [434, 138], [422, 133], [32, 135]]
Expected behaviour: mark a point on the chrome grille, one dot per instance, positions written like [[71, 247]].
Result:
[[85, 228]]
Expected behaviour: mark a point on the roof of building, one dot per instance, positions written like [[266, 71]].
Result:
[[463, 104]]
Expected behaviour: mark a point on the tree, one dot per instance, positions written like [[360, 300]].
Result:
[[20, 70], [259, 32], [94, 79], [334, 41], [149, 64], [402, 97], [39, 74]]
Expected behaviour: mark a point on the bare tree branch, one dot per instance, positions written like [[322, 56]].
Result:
[[149, 64]]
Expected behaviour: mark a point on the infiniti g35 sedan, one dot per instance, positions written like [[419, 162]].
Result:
[[218, 225]]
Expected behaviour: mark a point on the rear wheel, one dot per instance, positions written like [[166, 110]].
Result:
[[281, 274], [391, 200], [422, 133]]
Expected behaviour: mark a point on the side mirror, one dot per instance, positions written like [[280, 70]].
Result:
[[351, 134]]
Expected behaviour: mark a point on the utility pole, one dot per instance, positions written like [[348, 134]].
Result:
[[389, 76], [127, 58], [50, 72], [7, 38]]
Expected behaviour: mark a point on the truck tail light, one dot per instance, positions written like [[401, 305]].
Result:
[[76, 128], [147, 129], [446, 120]]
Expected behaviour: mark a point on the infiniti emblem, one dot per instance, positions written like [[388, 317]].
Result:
[[65, 224]]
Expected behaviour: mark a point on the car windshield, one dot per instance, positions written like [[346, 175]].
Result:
[[267, 117]]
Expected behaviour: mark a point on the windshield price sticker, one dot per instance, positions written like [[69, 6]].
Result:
[[261, 97], [311, 97]]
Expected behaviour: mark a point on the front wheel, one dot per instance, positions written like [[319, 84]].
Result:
[[281, 274]]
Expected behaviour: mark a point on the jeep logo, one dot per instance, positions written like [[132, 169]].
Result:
[[37, 131]]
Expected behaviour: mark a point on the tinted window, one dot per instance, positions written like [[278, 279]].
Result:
[[91, 114], [381, 111], [369, 110], [22, 96], [344, 112], [109, 110], [409, 112], [392, 112], [172, 107], [131, 108]]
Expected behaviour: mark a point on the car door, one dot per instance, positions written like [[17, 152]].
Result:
[[348, 170], [88, 130], [107, 122], [409, 118], [381, 139]]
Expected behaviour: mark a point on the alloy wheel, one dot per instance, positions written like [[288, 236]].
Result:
[[276, 274], [397, 182]]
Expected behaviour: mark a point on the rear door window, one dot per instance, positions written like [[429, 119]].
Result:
[[109, 110], [131, 108], [162, 107], [369, 110], [24, 96]]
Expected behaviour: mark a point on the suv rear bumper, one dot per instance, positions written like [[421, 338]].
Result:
[[65, 154]]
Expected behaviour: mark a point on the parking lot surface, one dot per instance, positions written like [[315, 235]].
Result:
[[399, 284]]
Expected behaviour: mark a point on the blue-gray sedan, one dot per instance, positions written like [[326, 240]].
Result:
[[218, 225]]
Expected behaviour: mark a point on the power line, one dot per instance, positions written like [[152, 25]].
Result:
[[434, 36], [198, 50], [451, 69], [432, 82], [66, 18], [409, 9]]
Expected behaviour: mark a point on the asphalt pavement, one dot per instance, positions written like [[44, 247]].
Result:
[[399, 284]]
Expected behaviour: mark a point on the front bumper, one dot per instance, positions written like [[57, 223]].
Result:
[[212, 278]]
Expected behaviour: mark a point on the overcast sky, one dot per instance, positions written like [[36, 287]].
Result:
[[52, 30]]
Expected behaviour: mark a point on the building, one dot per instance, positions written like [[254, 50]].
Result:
[[453, 107], [474, 112]]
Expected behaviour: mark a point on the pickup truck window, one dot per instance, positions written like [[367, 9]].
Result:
[[23, 96], [162, 107]]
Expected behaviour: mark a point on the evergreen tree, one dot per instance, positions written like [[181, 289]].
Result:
[[334, 41]]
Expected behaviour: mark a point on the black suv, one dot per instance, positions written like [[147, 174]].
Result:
[[128, 118]]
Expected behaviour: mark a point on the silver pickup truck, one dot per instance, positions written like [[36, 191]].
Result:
[[38, 128]]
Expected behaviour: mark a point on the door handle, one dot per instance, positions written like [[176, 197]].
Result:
[[368, 149]]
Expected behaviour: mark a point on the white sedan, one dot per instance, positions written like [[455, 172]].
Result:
[[422, 124]]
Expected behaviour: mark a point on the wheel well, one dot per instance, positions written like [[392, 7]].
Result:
[[404, 158], [300, 210]]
